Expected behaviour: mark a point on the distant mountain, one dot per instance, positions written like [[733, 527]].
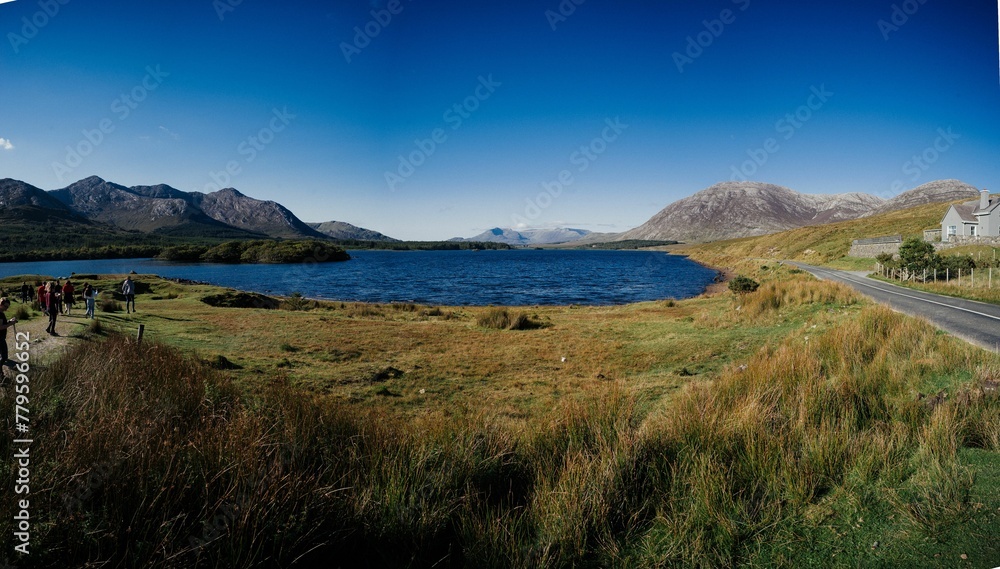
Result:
[[342, 230], [743, 209], [528, 236], [15, 193], [932, 192], [148, 209], [33, 221], [237, 210], [164, 210]]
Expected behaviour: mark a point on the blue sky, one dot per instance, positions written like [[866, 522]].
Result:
[[450, 118]]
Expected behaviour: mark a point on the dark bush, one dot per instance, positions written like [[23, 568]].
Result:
[[238, 299], [743, 285]]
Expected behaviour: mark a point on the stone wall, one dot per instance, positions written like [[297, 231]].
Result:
[[957, 240], [870, 251]]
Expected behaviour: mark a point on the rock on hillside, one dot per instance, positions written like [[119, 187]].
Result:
[[233, 208], [932, 192], [841, 207], [743, 209], [342, 230]]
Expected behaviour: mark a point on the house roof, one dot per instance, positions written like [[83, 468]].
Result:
[[992, 205], [967, 211]]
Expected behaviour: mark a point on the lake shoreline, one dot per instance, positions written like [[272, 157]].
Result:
[[438, 278]]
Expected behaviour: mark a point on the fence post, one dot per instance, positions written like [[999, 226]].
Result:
[[960, 277], [138, 338], [973, 272], [947, 275]]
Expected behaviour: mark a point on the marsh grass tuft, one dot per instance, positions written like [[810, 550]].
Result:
[[22, 313], [502, 319]]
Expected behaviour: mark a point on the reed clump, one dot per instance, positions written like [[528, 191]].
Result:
[[503, 319], [774, 296]]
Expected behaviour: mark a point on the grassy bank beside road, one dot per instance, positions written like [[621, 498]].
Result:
[[783, 428], [826, 244]]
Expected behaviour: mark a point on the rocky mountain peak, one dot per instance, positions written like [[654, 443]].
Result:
[[742, 209]]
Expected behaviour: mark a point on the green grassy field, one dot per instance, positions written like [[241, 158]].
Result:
[[782, 428]]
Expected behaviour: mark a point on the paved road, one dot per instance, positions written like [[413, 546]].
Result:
[[976, 322]]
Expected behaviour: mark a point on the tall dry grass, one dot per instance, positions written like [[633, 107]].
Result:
[[774, 295], [150, 459]]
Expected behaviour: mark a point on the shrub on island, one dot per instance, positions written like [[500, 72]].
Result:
[[258, 251]]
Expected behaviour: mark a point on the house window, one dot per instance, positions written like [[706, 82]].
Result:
[[952, 230], [972, 230]]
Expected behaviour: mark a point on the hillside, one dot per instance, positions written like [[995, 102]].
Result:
[[823, 243], [147, 209], [932, 192], [259, 216], [744, 209], [343, 230]]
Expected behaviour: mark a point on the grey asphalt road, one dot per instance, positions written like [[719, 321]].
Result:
[[975, 322]]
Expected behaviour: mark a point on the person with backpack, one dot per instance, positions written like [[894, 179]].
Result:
[[128, 289]]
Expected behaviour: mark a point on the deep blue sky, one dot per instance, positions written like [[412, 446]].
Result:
[[888, 94]]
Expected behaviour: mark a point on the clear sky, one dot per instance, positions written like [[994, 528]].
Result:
[[444, 119]]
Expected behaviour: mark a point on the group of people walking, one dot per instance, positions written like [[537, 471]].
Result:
[[56, 298]]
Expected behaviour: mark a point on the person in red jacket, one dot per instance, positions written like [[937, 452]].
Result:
[[41, 298], [67, 291]]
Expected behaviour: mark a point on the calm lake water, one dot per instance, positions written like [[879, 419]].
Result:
[[516, 278]]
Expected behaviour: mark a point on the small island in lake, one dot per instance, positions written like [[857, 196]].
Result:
[[258, 251]]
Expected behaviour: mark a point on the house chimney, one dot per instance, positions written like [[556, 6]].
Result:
[[984, 198]]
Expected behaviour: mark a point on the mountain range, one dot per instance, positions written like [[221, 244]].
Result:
[[743, 209], [163, 210], [724, 211], [527, 236]]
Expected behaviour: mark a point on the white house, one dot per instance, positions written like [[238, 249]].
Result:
[[972, 219]]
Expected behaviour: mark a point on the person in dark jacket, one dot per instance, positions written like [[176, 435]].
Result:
[[53, 298]]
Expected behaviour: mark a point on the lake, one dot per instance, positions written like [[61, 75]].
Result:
[[515, 278]]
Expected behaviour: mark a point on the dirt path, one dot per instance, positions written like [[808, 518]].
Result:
[[43, 346]]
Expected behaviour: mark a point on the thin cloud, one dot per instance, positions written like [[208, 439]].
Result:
[[170, 133], [5, 144]]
